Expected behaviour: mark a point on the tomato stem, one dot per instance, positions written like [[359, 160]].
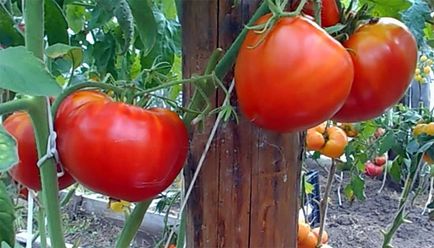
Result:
[[38, 111], [400, 214], [13, 106], [132, 224], [317, 7], [68, 91], [324, 201]]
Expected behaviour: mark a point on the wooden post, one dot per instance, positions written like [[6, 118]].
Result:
[[247, 192]]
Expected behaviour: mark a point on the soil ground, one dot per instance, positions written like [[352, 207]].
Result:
[[355, 225]]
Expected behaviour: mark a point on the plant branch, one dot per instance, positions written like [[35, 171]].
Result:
[[13, 106], [324, 200], [399, 217], [39, 112], [132, 224]]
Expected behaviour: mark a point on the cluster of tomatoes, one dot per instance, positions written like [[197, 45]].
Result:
[[295, 76], [423, 70], [119, 150], [308, 237], [427, 129], [376, 167]]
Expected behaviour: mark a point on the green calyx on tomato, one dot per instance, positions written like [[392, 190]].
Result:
[[26, 172], [120, 150], [384, 54], [295, 79]]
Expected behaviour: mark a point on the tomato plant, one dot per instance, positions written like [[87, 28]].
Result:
[[26, 171], [137, 152], [377, 49], [279, 95]]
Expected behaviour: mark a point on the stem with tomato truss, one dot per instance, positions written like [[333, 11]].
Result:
[[221, 69], [13, 106], [38, 111], [317, 7], [400, 214], [132, 224], [324, 201]]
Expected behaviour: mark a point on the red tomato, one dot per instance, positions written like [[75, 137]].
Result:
[[373, 170], [26, 171], [119, 150], [384, 56], [329, 11], [380, 160], [295, 79]]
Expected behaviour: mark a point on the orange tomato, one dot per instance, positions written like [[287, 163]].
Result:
[[428, 159], [309, 242], [325, 236], [303, 231], [330, 143]]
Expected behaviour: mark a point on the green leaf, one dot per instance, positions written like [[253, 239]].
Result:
[[145, 22], [358, 187], [415, 18], [348, 192], [22, 72], [308, 187], [8, 150], [412, 147], [389, 8], [386, 142], [5, 245], [395, 170], [9, 34], [7, 218], [76, 17], [73, 54], [101, 14], [125, 19], [56, 26]]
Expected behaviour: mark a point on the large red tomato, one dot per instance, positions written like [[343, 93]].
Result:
[[120, 150], [26, 171], [384, 54], [295, 79], [329, 11]]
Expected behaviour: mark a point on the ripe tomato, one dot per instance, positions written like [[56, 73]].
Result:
[[119, 150], [330, 142], [309, 242], [373, 170], [26, 172], [324, 237], [329, 11], [303, 231], [384, 56], [380, 160], [282, 84]]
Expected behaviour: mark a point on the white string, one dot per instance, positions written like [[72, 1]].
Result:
[[200, 164], [29, 219], [51, 143]]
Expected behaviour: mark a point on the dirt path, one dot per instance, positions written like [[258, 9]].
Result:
[[358, 225]]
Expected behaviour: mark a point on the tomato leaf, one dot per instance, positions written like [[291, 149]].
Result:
[[145, 22], [415, 18], [125, 19], [395, 170], [8, 150], [358, 187], [348, 192], [73, 54], [412, 147], [56, 26], [391, 8], [7, 218], [9, 34], [76, 17], [22, 72], [386, 142]]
